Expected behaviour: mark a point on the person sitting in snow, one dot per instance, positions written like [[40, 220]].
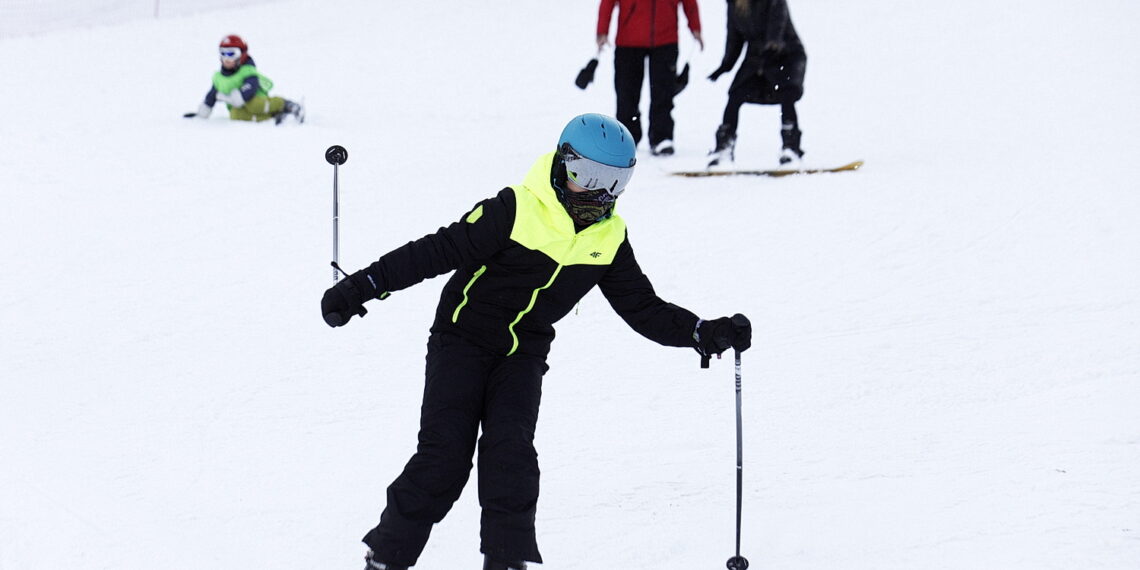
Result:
[[521, 260], [244, 89]]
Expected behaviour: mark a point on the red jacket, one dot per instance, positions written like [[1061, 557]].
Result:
[[646, 23]]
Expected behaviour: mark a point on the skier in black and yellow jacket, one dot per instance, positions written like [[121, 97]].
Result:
[[522, 260]]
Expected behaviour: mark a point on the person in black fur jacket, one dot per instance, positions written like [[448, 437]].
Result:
[[772, 73]]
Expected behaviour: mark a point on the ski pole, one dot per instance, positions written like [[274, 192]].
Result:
[[336, 155], [738, 562]]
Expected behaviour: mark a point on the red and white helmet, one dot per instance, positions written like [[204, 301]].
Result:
[[231, 47]]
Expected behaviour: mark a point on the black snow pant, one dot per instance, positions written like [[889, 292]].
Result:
[[467, 386], [629, 72], [782, 83], [789, 119]]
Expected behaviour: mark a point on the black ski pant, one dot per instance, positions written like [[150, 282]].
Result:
[[629, 72], [467, 386], [738, 97], [781, 83]]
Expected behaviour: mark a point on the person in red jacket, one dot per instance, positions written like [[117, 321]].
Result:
[[647, 29]]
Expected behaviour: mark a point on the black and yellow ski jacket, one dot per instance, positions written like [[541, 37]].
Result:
[[520, 266]]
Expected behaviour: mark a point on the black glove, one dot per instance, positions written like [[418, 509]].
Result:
[[717, 336], [716, 74], [347, 298], [586, 76]]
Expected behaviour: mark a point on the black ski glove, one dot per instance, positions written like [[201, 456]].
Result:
[[347, 298], [586, 76], [716, 336], [716, 74]]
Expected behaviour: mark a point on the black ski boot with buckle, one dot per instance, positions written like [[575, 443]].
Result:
[[371, 563], [725, 143]]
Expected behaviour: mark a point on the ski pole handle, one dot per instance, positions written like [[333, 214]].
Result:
[[336, 155]]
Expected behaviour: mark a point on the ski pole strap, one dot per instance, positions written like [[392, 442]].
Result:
[[697, 342], [381, 296]]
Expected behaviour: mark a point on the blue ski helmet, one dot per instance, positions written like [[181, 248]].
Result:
[[601, 139], [597, 153]]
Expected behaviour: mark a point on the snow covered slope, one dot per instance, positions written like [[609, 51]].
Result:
[[946, 369]]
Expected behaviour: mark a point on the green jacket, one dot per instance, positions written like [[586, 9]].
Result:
[[228, 83], [520, 267]]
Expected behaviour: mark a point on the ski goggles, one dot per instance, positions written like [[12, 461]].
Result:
[[593, 175], [229, 54]]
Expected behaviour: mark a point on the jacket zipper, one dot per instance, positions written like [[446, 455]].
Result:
[[533, 298], [653, 23], [463, 303]]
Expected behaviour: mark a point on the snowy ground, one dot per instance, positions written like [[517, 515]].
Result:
[[946, 371]]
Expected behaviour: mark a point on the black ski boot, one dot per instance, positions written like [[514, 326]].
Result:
[[489, 564], [725, 145], [291, 108], [791, 153], [371, 563]]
